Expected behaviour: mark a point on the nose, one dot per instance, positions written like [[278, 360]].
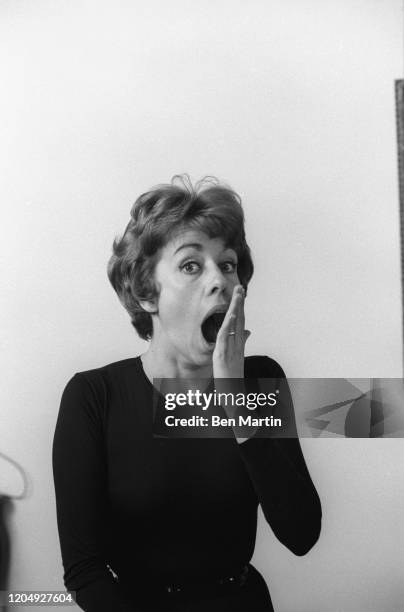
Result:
[[217, 282]]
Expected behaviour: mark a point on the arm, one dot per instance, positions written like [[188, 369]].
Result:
[[79, 469], [276, 466], [281, 479]]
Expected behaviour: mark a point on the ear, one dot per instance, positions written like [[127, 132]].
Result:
[[149, 306]]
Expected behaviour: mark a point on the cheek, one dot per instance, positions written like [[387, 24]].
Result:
[[176, 310], [184, 318]]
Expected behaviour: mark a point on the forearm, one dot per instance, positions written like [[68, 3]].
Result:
[[285, 490]]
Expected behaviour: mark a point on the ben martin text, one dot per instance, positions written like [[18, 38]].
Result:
[[217, 421]]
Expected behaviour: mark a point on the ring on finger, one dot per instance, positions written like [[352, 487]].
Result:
[[232, 333]]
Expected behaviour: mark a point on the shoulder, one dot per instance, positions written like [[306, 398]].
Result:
[[263, 367], [95, 385], [111, 369]]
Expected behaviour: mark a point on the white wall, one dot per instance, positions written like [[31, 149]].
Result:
[[292, 103]]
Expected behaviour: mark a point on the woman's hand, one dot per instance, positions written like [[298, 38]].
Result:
[[228, 356]]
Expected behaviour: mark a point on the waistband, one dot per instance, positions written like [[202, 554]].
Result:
[[199, 587]]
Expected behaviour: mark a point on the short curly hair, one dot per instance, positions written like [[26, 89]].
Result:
[[156, 217]]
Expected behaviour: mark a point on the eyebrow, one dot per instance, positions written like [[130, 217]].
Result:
[[195, 245], [198, 247]]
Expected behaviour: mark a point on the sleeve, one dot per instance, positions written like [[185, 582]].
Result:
[[79, 470], [280, 477]]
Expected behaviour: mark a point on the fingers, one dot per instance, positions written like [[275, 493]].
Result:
[[234, 320], [231, 312], [232, 329], [240, 321], [228, 326], [236, 311], [228, 356]]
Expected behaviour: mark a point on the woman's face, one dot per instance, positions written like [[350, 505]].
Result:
[[195, 277]]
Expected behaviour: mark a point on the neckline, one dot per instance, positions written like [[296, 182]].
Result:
[[139, 364]]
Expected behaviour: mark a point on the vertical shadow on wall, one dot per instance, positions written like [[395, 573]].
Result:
[[399, 87], [5, 511]]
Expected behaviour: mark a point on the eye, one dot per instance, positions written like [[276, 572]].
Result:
[[190, 267], [229, 266]]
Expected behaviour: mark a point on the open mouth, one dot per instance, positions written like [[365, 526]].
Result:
[[211, 325]]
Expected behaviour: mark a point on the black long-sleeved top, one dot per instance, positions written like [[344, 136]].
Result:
[[167, 508]]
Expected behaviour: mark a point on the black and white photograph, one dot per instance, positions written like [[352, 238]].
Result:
[[202, 240]]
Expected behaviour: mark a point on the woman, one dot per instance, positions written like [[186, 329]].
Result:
[[148, 523]]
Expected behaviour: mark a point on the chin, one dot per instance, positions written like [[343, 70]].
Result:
[[207, 349], [199, 352], [204, 357]]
